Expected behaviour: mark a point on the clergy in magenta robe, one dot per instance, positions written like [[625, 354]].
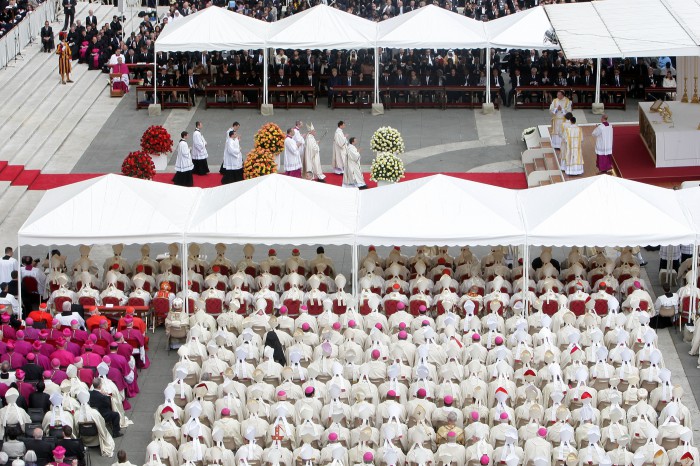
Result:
[[603, 134], [120, 83]]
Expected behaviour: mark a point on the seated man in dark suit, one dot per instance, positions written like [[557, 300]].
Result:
[[103, 404], [74, 447], [39, 399], [41, 447]]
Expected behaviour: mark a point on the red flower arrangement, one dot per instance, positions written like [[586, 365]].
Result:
[[271, 138], [139, 165], [156, 140], [259, 162]]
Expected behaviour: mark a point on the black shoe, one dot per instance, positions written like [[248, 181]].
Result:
[[117, 435], [642, 264], [363, 187], [320, 180]]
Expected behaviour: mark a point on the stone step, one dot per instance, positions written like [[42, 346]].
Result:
[[550, 161], [529, 168], [539, 164], [23, 206], [557, 178], [8, 200], [545, 182], [60, 120], [35, 112]]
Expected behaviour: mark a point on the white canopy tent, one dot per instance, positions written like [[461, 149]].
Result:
[[322, 27], [275, 209], [439, 210], [524, 30], [620, 28], [212, 29], [439, 28], [604, 211], [107, 210]]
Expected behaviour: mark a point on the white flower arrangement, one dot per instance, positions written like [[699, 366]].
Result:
[[386, 167], [387, 139], [527, 132]]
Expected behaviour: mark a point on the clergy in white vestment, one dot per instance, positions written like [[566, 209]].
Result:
[[574, 152], [292, 154], [340, 147], [183, 163], [352, 178], [199, 151], [603, 134], [312, 158], [232, 167], [297, 136], [559, 107]]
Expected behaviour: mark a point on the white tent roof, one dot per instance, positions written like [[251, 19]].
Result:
[[604, 211], [322, 27], [110, 209], [438, 27], [524, 30], [212, 29], [275, 209], [621, 28], [687, 13], [440, 210], [690, 200]]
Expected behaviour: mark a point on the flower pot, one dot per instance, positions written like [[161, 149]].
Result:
[[532, 139], [160, 161], [385, 183]]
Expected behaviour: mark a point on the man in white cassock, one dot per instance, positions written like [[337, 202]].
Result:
[[199, 151], [312, 158], [340, 145], [559, 107], [352, 178], [603, 134], [574, 149]]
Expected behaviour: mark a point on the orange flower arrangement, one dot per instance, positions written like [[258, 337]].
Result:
[[271, 138], [259, 162]]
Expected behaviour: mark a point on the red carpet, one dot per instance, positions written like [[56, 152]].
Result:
[[633, 161], [10, 172], [507, 180], [26, 178]]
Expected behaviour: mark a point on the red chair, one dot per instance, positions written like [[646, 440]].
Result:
[[276, 270], [53, 286], [621, 279], [440, 308], [390, 307], [161, 307], [338, 308], [148, 270], [223, 270], [136, 302], [414, 306], [323, 287], [221, 286], [293, 306], [78, 285], [685, 308], [601, 307], [176, 270], [173, 286], [376, 290], [598, 276], [58, 303], [315, 307], [146, 287], [364, 307], [250, 270], [200, 269], [578, 307], [550, 307], [195, 287], [190, 305], [114, 301], [499, 310], [213, 306], [31, 286], [120, 285]]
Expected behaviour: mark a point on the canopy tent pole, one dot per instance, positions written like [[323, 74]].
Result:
[[597, 81], [355, 270], [693, 289], [184, 275], [155, 76], [488, 75], [376, 76], [19, 275], [265, 55], [526, 279]]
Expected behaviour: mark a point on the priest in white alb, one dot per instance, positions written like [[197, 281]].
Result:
[[574, 146], [603, 134], [559, 107], [312, 158], [340, 147], [352, 178]]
